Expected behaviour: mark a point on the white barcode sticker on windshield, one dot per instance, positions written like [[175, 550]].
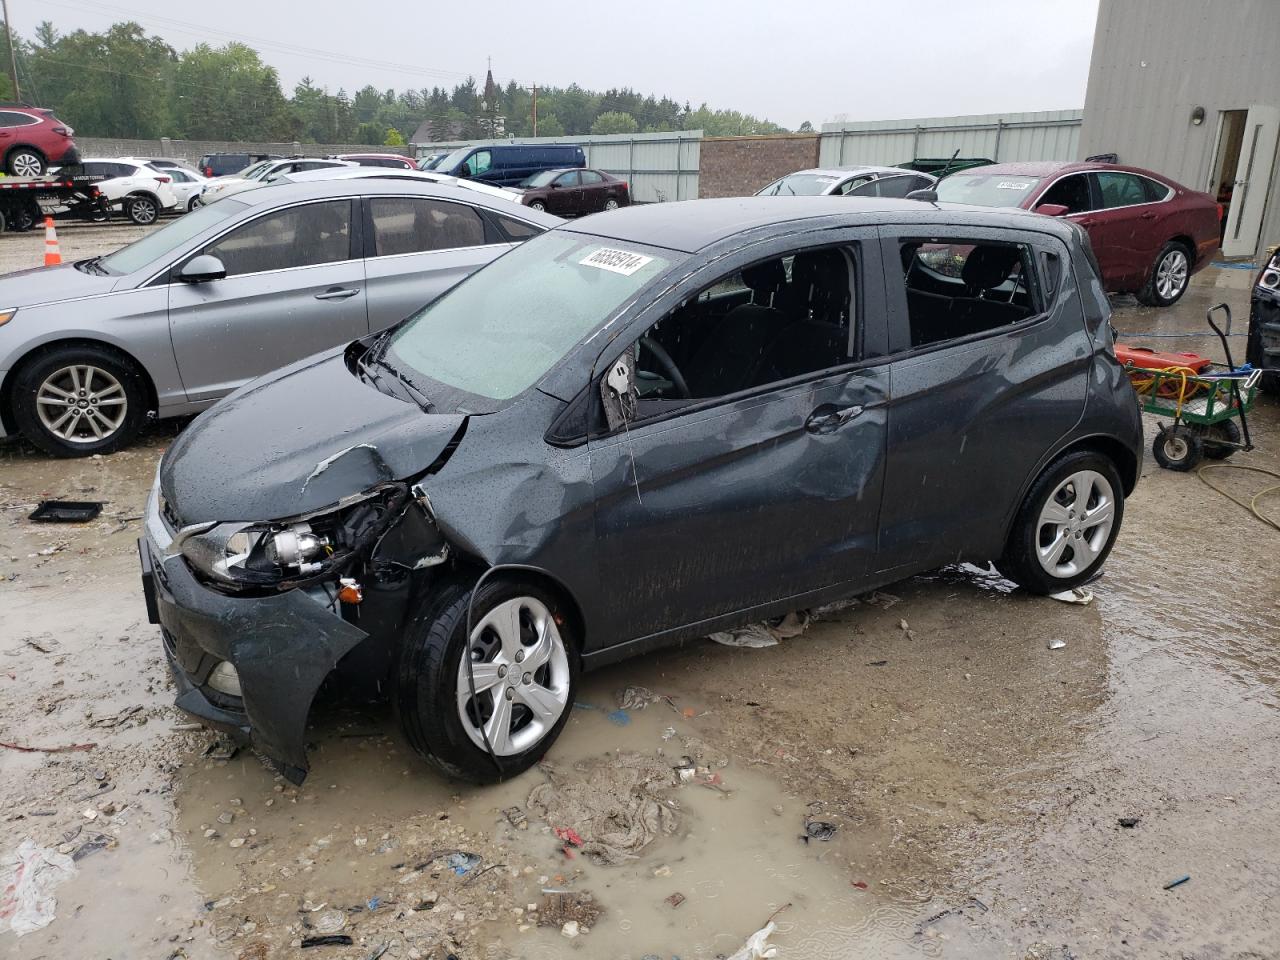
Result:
[[615, 261], [1012, 185]]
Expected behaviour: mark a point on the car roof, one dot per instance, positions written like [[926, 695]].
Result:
[[282, 192], [850, 171], [691, 225], [1049, 168]]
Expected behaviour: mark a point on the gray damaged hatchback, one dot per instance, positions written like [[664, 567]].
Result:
[[628, 432]]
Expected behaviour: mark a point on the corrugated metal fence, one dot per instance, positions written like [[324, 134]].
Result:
[[1046, 135], [659, 166]]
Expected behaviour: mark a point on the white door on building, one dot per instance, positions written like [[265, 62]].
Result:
[[1253, 176]]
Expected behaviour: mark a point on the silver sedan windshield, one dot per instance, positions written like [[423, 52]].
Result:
[[169, 238]]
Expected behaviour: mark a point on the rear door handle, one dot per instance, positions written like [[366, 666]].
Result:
[[1148, 216], [828, 418], [336, 293]]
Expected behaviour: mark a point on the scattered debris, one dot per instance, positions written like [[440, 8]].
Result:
[[66, 511], [223, 748], [95, 843], [860, 884], [379, 950], [63, 749], [43, 643], [330, 940], [1177, 883], [668, 733], [116, 719], [674, 900], [818, 830], [570, 929], [1057, 644], [568, 835], [620, 717], [636, 698], [878, 663], [331, 921], [28, 877], [463, 863], [757, 946], [881, 599], [560, 908], [766, 634], [1129, 822], [1077, 595], [515, 816]]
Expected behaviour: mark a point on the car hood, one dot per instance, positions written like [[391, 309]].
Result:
[[27, 288], [297, 441]]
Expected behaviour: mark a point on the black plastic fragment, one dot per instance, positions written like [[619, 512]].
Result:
[[328, 940], [66, 511]]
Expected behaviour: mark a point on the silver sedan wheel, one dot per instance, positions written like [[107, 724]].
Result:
[[81, 404], [521, 674], [1075, 524], [1171, 274]]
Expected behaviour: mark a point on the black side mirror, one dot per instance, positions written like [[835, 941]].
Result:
[[202, 269], [928, 195]]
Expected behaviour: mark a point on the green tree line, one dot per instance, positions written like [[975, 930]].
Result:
[[124, 83]]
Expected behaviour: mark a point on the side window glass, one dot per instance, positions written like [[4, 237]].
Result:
[[856, 187], [568, 179], [517, 229], [416, 225], [590, 177], [1153, 191], [9, 119], [956, 288], [294, 237], [896, 186], [1071, 192], [480, 162], [748, 329], [1120, 189]]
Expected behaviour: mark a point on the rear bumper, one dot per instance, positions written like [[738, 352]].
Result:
[[69, 156], [282, 647]]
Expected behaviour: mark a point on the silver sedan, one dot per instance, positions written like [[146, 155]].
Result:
[[184, 316]]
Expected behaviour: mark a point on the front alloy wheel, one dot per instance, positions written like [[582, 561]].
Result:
[[510, 682], [1169, 276], [82, 404], [538, 205]]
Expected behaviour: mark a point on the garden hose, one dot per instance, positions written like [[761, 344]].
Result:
[[1252, 503], [1160, 382]]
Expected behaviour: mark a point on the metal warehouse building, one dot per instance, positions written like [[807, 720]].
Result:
[[1191, 88]]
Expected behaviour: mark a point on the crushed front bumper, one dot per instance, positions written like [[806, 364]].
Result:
[[282, 646], [1264, 330]]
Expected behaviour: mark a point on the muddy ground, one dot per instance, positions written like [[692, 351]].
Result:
[[976, 778]]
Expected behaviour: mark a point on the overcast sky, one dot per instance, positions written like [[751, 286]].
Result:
[[817, 60]]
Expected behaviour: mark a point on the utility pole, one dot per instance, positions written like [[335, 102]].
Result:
[[13, 60], [535, 104]]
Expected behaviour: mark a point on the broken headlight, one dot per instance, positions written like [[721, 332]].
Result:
[[224, 552], [1269, 279]]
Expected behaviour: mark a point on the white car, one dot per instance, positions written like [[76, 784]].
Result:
[[187, 186], [142, 192], [261, 173], [848, 182], [389, 173]]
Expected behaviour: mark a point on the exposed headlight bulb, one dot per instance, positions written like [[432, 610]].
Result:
[[298, 548]]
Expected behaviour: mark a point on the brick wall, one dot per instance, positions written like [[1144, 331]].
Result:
[[193, 150], [739, 166]]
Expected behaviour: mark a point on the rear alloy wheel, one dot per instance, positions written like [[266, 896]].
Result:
[[1067, 525], [1178, 448], [1169, 277], [25, 162], [611, 204], [142, 210], [78, 401], [512, 684]]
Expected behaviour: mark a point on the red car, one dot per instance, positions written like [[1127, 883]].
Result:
[[392, 160], [1148, 232], [573, 192], [32, 140]]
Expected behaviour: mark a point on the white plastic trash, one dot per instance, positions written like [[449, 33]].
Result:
[[757, 946], [28, 877]]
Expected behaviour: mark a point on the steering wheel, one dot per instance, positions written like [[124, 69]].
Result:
[[668, 365]]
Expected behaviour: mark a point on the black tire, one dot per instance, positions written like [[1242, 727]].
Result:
[[143, 209], [25, 162], [1219, 440], [1270, 383], [1021, 562], [538, 205], [37, 369], [1151, 293], [24, 218], [425, 687], [1178, 448], [194, 202], [611, 200]]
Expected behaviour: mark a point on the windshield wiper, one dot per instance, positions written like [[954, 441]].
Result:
[[92, 265], [375, 357]]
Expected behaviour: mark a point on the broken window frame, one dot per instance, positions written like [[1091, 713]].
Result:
[[867, 318], [899, 319]]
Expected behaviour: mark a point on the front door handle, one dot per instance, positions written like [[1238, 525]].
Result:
[[829, 418], [336, 293]]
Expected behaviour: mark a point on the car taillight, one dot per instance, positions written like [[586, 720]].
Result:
[[208, 171], [163, 179], [62, 131], [1219, 213]]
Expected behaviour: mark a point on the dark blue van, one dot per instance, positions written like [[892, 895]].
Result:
[[508, 164]]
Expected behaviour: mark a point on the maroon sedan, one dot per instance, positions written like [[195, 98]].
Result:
[[571, 193], [1148, 232]]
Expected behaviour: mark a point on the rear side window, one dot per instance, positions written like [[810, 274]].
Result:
[[301, 236], [1071, 192], [417, 225], [516, 229], [958, 288], [9, 118], [1155, 191], [590, 177], [1121, 189]]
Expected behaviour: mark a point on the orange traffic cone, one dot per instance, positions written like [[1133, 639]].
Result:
[[52, 256]]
